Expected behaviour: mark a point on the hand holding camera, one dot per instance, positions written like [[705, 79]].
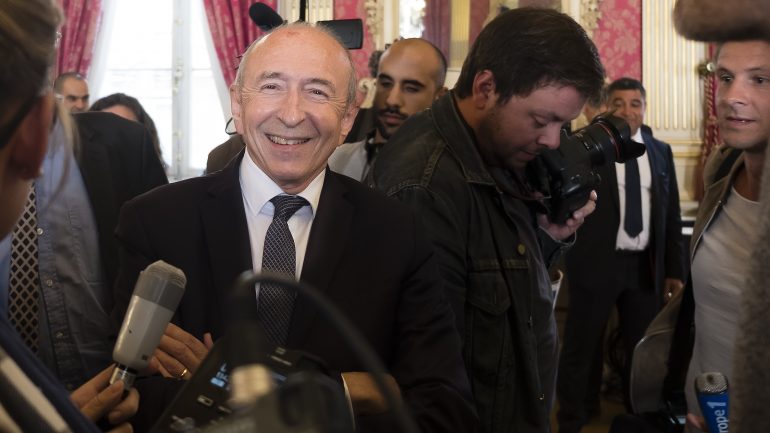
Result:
[[571, 173]]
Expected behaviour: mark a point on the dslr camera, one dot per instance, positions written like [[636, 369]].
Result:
[[570, 169]]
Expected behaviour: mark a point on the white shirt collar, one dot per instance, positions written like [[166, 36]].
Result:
[[638, 136], [257, 189]]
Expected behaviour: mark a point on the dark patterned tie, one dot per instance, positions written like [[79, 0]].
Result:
[[279, 257], [633, 223], [24, 284]]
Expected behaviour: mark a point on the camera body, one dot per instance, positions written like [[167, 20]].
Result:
[[570, 169]]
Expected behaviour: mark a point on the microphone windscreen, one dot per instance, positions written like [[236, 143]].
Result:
[[264, 16], [713, 399]]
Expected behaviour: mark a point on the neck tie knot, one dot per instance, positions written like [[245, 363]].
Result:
[[287, 205]]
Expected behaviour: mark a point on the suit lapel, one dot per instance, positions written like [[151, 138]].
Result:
[[328, 238], [657, 164], [226, 232]]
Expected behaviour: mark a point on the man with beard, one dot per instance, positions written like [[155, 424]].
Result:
[[468, 167], [410, 77]]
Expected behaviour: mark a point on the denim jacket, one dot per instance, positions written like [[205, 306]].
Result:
[[493, 260]]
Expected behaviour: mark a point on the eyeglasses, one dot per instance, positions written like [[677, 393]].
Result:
[[7, 131]]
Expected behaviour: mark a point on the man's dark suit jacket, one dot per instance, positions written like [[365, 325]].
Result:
[[365, 253], [117, 162], [590, 262]]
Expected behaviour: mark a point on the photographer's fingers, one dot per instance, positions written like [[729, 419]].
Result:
[[103, 402], [123, 428], [86, 392], [125, 409]]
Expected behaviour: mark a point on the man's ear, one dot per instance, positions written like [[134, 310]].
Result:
[[235, 108], [484, 90], [347, 122], [440, 92], [30, 141]]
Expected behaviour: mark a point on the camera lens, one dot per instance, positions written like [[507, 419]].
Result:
[[608, 139]]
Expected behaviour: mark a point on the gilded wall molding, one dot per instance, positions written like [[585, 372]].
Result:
[[590, 15], [674, 91], [373, 17]]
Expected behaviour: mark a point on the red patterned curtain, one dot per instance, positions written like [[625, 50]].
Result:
[[232, 31], [81, 23], [437, 24], [344, 9], [618, 38]]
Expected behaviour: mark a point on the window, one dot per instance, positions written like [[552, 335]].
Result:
[[159, 51]]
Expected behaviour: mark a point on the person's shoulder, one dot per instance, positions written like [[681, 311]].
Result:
[[348, 148], [650, 138], [406, 155], [345, 152], [369, 201], [232, 146], [720, 163], [187, 192]]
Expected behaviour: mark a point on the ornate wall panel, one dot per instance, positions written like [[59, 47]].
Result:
[[674, 90]]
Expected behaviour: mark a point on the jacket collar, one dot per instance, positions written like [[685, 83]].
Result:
[[460, 139]]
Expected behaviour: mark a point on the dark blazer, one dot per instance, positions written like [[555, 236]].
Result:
[[590, 261], [365, 253], [117, 162]]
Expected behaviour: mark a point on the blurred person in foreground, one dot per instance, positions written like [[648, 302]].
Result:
[[744, 23], [728, 221], [31, 398]]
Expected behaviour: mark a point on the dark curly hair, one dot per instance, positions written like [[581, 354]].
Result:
[[527, 48]]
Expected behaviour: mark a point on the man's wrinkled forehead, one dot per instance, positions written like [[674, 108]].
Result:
[[294, 40]]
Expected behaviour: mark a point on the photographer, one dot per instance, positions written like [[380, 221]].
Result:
[[629, 254], [464, 166]]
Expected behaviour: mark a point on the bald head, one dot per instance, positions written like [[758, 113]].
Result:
[[410, 77], [421, 51]]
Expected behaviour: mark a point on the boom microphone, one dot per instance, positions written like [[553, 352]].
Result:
[[711, 389], [264, 17], [156, 295]]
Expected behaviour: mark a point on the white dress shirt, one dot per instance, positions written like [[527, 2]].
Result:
[[257, 189], [625, 242]]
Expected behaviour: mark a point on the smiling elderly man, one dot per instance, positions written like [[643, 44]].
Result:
[[293, 104]]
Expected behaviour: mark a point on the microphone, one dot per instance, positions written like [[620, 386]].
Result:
[[711, 389], [264, 16], [156, 295]]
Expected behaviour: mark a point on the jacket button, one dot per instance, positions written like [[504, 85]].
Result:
[[542, 397], [521, 249]]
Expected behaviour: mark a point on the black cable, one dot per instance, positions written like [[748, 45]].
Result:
[[347, 330]]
